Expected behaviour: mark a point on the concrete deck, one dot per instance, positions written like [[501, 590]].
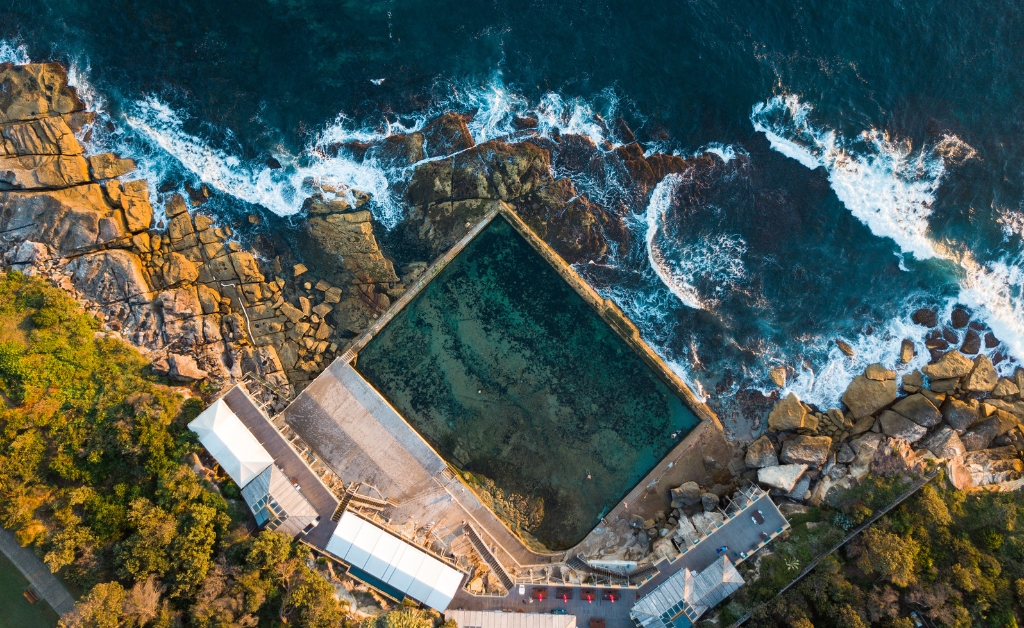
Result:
[[739, 533]]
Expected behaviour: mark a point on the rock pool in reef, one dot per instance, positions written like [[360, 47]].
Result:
[[512, 376]]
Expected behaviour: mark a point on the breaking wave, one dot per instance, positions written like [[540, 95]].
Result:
[[714, 259], [885, 184]]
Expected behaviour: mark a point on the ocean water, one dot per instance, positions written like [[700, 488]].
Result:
[[867, 155]]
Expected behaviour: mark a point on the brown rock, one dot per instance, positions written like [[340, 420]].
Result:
[[845, 348], [687, 494], [907, 351], [183, 368], [918, 409], [1005, 388], [177, 268], [345, 250], [897, 426], [109, 166], [761, 453], [879, 373], [865, 396], [246, 267], [972, 342], [36, 90], [111, 276], [983, 376], [789, 414], [446, 135], [950, 365], [209, 299], [926, 317], [944, 443], [40, 172], [809, 450], [958, 414], [778, 376], [45, 136], [291, 312], [782, 477]]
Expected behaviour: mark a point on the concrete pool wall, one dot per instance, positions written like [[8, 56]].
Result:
[[622, 327]]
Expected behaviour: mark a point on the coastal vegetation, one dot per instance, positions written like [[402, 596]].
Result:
[[944, 557], [93, 477]]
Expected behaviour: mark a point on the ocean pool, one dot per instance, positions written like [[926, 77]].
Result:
[[512, 376]]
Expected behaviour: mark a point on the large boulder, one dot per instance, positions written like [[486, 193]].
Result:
[[982, 434], [183, 368], [983, 376], [790, 414], [809, 450], [783, 477], [865, 447], [944, 443], [897, 426], [951, 365], [67, 219], [959, 415], [761, 453], [345, 250], [866, 396], [879, 373], [1005, 388], [686, 494], [918, 409]]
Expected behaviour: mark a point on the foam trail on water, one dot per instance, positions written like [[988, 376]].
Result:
[[885, 184], [996, 292], [281, 191], [13, 53], [715, 258], [724, 151]]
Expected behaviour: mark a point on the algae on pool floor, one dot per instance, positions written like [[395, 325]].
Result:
[[511, 375]]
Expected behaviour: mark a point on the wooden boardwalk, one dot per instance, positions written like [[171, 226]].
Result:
[[38, 574]]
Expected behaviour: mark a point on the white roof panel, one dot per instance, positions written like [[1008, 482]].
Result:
[[386, 549], [395, 561], [233, 446]]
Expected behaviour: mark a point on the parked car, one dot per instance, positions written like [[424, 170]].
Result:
[[764, 536], [758, 517], [558, 611], [722, 550]]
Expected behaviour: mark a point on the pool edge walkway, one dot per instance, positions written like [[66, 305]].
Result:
[[38, 574]]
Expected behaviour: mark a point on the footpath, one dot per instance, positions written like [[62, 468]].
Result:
[[45, 583]]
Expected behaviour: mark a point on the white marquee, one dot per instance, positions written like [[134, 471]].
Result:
[[233, 446], [394, 561]]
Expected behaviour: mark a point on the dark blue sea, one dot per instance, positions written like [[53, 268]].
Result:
[[869, 154]]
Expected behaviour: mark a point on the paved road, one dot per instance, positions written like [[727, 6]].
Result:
[[37, 573]]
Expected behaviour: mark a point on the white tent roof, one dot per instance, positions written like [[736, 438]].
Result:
[[230, 443], [394, 561]]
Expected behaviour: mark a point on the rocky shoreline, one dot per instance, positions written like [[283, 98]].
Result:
[[955, 411], [177, 283]]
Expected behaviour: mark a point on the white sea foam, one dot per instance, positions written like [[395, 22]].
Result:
[[885, 184], [824, 385], [281, 191], [724, 151], [890, 187], [11, 52], [715, 258]]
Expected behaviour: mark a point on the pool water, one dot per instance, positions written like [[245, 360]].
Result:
[[512, 376]]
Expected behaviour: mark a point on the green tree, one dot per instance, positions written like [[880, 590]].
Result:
[[888, 555], [309, 600], [145, 551]]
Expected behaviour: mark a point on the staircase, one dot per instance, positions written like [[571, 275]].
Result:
[[489, 558]]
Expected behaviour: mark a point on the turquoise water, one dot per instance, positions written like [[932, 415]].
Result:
[[509, 374]]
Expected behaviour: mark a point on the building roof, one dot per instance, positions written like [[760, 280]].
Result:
[[687, 594], [394, 561], [499, 619], [234, 448], [352, 428], [289, 504]]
